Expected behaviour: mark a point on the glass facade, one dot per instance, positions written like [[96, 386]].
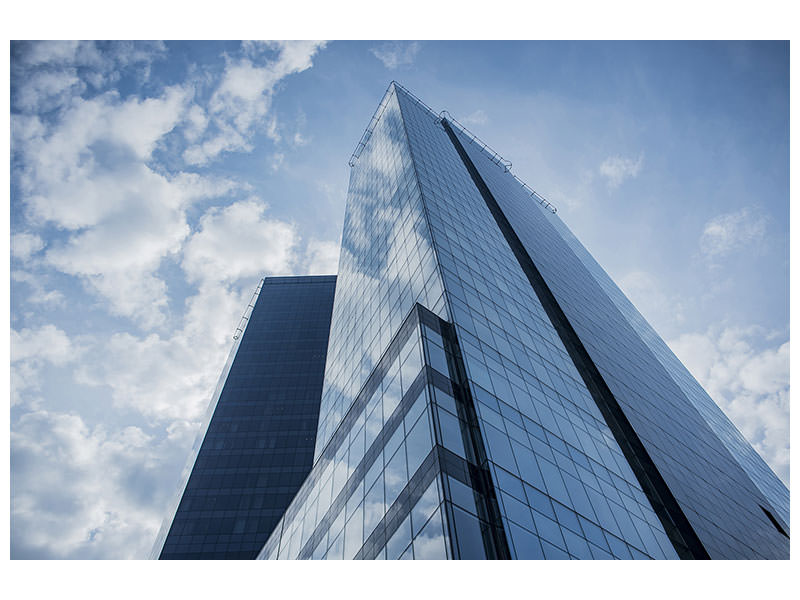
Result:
[[723, 488], [563, 485], [386, 264], [741, 450], [399, 478], [258, 444], [489, 393]]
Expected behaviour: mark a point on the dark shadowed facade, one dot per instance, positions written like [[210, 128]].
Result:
[[258, 446]]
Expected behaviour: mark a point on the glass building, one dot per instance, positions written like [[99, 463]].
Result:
[[257, 445], [489, 392]]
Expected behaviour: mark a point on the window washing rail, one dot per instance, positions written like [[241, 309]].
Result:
[[247, 312]]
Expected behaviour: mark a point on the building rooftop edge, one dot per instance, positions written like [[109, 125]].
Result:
[[299, 278]]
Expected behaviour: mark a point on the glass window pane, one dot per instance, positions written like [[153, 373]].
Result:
[[412, 362], [374, 423], [451, 433], [446, 401], [437, 358], [577, 546], [416, 410], [394, 442], [424, 507], [430, 544], [396, 476], [374, 508], [499, 448], [392, 394], [468, 535], [462, 495], [375, 471], [517, 511], [539, 501], [336, 551], [399, 540], [526, 545], [418, 444]]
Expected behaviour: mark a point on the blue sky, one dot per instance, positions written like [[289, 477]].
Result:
[[153, 184]]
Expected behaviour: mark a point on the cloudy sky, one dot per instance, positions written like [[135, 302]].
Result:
[[153, 184]]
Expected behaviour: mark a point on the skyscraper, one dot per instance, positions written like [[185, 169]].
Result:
[[489, 392], [257, 444]]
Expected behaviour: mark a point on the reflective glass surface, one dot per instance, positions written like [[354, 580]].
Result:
[[543, 434], [721, 484], [741, 450], [373, 491], [386, 264]]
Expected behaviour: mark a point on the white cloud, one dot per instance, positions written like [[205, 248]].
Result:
[[87, 492], [322, 257], [99, 62], [295, 56], [272, 130], [24, 245], [277, 160], [91, 143], [299, 140], [730, 232], [239, 241], [748, 381], [61, 52], [88, 173], [47, 343], [661, 310], [240, 104], [396, 54], [25, 384], [196, 123], [39, 293], [139, 124], [45, 90], [125, 53], [33, 349], [171, 376], [617, 169], [478, 117], [119, 255], [98, 55]]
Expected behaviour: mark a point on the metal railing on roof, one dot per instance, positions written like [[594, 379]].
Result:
[[414, 97], [371, 127], [539, 198], [474, 139], [248, 311], [377, 116], [496, 158]]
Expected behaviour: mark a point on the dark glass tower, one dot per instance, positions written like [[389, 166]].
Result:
[[258, 443], [490, 392]]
